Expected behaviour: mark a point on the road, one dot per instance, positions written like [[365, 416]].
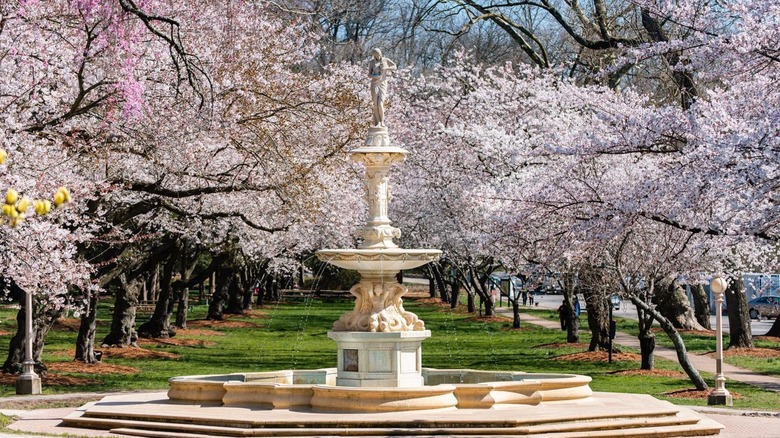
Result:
[[628, 310]]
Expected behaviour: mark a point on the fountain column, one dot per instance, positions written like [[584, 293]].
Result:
[[379, 342]]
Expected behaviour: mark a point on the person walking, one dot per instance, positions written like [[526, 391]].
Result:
[[562, 315]]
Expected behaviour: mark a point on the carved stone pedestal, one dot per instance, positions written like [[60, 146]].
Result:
[[378, 308], [391, 359]]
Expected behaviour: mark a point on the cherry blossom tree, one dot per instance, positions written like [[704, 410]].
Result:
[[545, 159], [199, 126]]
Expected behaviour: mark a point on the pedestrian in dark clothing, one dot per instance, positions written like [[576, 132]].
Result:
[[562, 315]]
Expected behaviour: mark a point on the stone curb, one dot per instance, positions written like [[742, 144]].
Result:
[[735, 412]]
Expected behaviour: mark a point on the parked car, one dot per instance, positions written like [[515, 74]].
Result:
[[764, 307], [614, 299]]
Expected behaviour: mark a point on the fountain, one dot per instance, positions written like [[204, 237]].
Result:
[[378, 342], [379, 386]]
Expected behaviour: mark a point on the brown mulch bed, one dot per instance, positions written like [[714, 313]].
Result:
[[209, 323], [523, 328], [435, 301], [649, 373], [417, 292], [177, 341], [198, 332], [126, 353], [71, 324], [497, 318], [688, 332], [252, 314], [562, 345], [599, 356], [710, 333], [51, 379], [137, 353], [694, 393], [86, 368], [767, 338], [757, 352]]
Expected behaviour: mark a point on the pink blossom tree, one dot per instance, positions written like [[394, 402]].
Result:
[[180, 126]]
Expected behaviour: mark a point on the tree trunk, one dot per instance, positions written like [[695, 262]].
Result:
[[248, 279], [159, 325], [571, 321], [85, 342], [13, 362], [775, 329], [235, 294], [181, 289], [182, 295], [679, 345], [455, 295], [674, 305], [598, 319], [300, 279], [490, 306], [261, 285], [437, 282], [122, 332], [484, 291], [646, 339], [44, 314], [683, 79], [445, 286], [471, 304], [515, 313], [701, 306], [740, 334], [154, 283], [646, 349], [270, 287], [222, 294]]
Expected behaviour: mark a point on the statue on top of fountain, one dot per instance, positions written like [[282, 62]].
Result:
[[379, 69]]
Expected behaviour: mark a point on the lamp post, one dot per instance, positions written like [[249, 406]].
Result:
[[719, 395], [28, 382]]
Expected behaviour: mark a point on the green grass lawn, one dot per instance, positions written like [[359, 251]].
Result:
[[698, 343], [293, 336]]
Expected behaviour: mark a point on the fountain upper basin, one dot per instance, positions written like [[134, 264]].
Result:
[[384, 260]]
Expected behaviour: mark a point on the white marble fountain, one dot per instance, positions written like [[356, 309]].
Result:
[[378, 342], [379, 386]]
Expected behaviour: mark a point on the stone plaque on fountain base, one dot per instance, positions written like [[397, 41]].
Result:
[[389, 359]]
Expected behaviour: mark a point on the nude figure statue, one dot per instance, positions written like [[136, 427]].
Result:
[[378, 70]]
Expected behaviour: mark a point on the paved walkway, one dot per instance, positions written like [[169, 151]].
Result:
[[44, 423], [701, 362]]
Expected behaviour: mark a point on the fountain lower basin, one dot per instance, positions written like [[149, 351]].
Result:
[[316, 390]]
